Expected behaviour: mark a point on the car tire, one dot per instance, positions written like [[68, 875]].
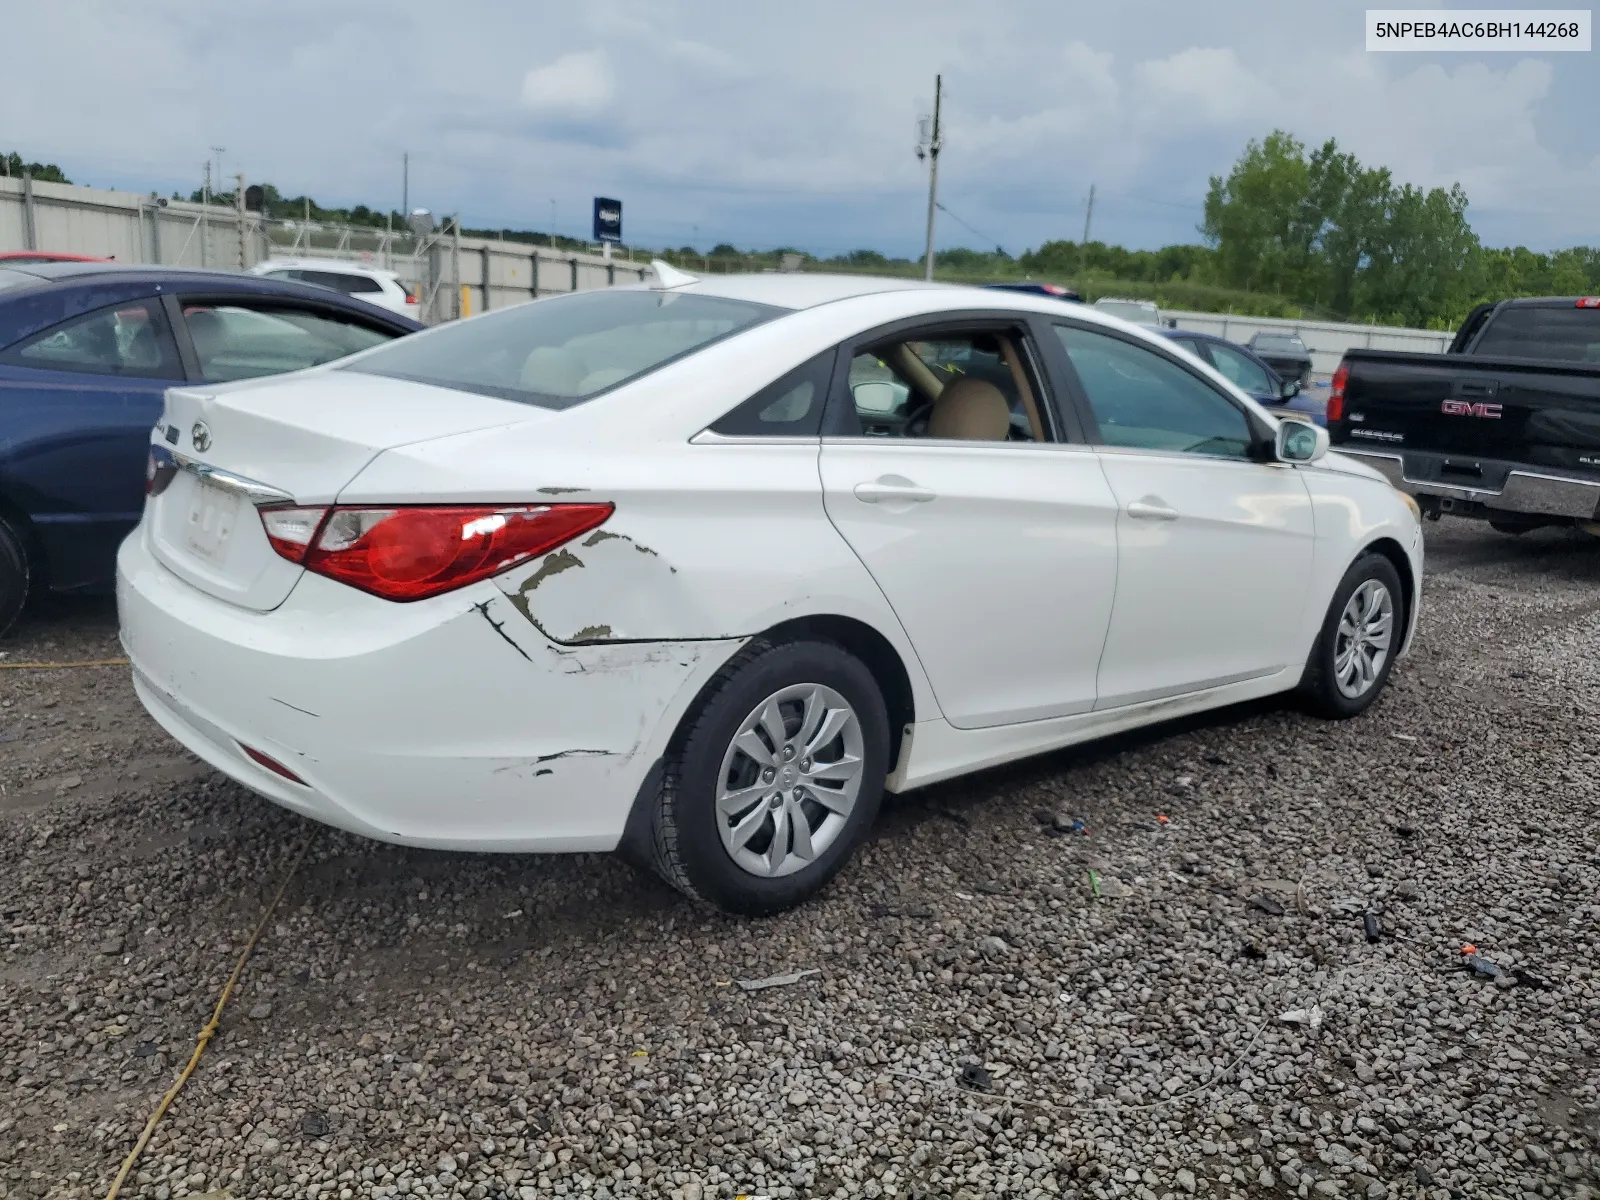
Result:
[[14, 576], [1349, 666], [726, 826]]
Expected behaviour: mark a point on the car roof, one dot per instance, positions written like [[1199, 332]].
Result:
[[796, 290], [86, 273], [337, 265]]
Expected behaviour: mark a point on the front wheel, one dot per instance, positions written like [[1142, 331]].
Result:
[[1360, 636], [13, 576], [775, 779]]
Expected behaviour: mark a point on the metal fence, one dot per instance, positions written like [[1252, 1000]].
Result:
[[1326, 340], [455, 275]]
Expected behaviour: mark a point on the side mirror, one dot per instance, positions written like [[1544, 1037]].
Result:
[[877, 396], [1289, 390], [1299, 442]]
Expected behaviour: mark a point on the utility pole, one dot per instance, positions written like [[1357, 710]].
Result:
[[405, 186], [552, 223], [933, 173], [217, 153], [238, 203], [205, 213], [1083, 246]]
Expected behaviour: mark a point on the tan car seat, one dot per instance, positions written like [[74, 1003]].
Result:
[[972, 411]]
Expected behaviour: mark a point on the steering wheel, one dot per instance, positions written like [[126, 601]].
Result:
[[918, 419]]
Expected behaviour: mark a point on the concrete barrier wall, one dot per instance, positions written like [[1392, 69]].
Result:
[[1327, 340]]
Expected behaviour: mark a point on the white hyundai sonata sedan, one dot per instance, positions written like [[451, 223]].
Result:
[[698, 570]]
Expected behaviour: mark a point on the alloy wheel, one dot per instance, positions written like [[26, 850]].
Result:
[[1361, 644], [789, 780]]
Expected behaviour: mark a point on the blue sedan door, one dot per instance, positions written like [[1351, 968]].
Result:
[[77, 403]]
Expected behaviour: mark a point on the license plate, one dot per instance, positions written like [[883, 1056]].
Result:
[[211, 518]]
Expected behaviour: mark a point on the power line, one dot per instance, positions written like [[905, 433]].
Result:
[[995, 242]]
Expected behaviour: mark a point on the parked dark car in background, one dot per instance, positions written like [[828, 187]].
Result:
[[1250, 372], [86, 351], [1040, 289], [1286, 354]]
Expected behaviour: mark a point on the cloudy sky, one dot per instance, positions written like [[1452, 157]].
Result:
[[774, 123]]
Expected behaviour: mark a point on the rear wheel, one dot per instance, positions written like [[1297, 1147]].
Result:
[[1360, 636], [13, 576], [774, 780]]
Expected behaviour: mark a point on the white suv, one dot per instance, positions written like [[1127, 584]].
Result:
[[382, 288]]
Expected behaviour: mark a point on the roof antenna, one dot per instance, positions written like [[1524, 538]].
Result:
[[668, 276]]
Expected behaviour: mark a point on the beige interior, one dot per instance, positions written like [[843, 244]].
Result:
[[1008, 352], [970, 410]]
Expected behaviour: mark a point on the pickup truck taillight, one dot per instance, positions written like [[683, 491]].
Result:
[[1336, 393]]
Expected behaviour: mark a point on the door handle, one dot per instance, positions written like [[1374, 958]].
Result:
[[892, 487], [1151, 508]]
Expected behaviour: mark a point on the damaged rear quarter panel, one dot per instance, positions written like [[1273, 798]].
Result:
[[725, 541]]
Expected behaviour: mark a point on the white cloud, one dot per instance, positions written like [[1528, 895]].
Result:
[[791, 123], [573, 84], [1202, 86]]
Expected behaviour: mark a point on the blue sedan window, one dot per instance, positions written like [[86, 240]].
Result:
[[1236, 368], [131, 339]]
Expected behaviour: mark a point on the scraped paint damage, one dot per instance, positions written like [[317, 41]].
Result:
[[607, 595]]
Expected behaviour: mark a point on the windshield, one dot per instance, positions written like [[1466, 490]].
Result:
[[560, 352], [1139, 312], [1279, 341], [1563, 334]]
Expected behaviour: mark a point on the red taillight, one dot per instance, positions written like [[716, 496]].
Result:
[[414, 553], [1336, 393], [159, 470], [290, 530], [1589, 302], [271, 764]]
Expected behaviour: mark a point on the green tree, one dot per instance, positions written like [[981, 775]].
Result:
[[41, 172]]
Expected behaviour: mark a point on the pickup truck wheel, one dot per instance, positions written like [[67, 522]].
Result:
[[774, 779], [13, 576], [1360, 636]]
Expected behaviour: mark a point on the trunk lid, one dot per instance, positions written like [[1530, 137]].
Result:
[[293, 440]]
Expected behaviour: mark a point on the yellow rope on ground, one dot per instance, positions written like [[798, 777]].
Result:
[[44, 666], [210, 1027]]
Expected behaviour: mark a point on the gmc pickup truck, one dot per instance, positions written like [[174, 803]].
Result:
[[1503, 426]]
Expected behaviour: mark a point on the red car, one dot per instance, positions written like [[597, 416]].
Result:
[[42, 256]]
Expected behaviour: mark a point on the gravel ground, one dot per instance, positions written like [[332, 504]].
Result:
[[979, 1024]]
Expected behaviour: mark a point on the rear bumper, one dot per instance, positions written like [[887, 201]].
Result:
[[1526, 491], [421, 724]]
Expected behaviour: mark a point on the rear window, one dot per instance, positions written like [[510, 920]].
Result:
[[1277, 341], [1563, 334], [1129, 310], [560, 352]]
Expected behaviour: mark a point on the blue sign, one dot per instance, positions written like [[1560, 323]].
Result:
[[607, 220]]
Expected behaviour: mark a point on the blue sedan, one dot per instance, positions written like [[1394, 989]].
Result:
[[86, 352], [1247, 369]]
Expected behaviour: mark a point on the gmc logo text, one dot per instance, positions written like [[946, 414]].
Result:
[[1464, 408]]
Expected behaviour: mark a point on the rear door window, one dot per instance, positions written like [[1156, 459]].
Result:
[[1562, 334], [242, 340], [132, 340], [1240, 370], [791, 407]]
